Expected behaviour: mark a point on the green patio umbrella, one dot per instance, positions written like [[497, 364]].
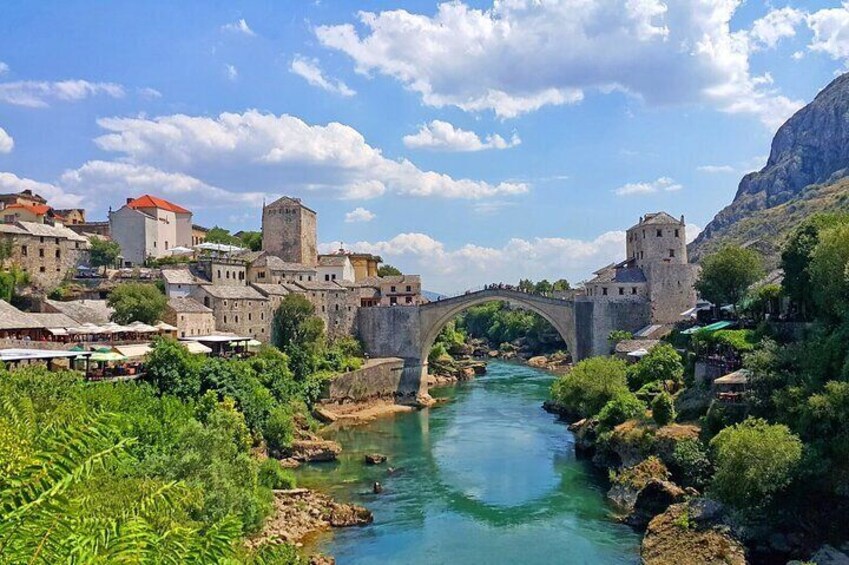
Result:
[[105, 357]]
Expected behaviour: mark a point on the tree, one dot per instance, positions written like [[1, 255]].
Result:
[[622, 408], [218, 234], [171, 369], [796, 259], [663, 409], [252, 240], [590, 385], [727, 274], [543, 287], [526, 285], [103, 253], [828, 271], [754, 460], [299, 333], [387, 270], [662, 364], [137, 302], [561, 285]]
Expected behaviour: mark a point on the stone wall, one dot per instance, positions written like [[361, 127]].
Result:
[[190, 323], [594, 320], [249, 317], [289, 231], [47, 260], [671, 290], [378, 378]]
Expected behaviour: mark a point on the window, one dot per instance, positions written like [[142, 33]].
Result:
[[672, 253], [644, 234], [237, 319], [634, 290], [393, 301], [206, 301], [621, 291], [58, 254], [41, 269], [227, 273], [41, 252], [166, 245], [219, 273], [333, 276], [249, 316], [604, 291], [326, 277], [56, 241], [659, 233], [337, 307], [676, 233], [41, 239], [409, 288], [24, 250], [409, 300], [392, 289], [225, 318], [77, 245]]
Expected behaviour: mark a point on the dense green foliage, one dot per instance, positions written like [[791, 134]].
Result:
[[387, 270], [590, 385], [620, 409], [754, 460], [691, 463], [663, 409], [727, 274], [662, 364], [498, 322], [137, 302], [121, 472], [251, 240], [827, 269], [103, 252]]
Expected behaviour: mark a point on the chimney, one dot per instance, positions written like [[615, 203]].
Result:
[[130, 200], [682, 219]]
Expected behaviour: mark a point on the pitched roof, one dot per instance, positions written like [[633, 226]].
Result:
[[54, 320], [233, 292], [275, 263], [288, 201], [83, 311], [391, 279], [46, 230], [37, 209], [626, 275], [187, 305], [658, 218], [319, 285], [332, 260], [275, 289], [13, 319], [179, 276], [148, 201]]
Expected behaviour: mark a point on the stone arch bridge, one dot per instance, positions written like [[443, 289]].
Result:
[[408, 332]]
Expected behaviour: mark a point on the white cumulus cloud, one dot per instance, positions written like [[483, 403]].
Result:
[[359, 214], [778, 24], [520, 55], [830, 29], [663, 184], [39, 94], [240, 26], [716, 169], [6, 142], [444, 136], [309, 70], [4, 68], [231, 72], [55, 195], [281, 153]]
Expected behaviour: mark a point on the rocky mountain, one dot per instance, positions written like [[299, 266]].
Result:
[[806, 173]]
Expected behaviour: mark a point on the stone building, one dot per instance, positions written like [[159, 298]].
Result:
[[198, 234], [147, 227], [334, 304], [179, 282], [655, 270], [238, 309], [365, 265], [35, 213], [26, 197], [190, 317], [289, 231], [225, 271], [399, 289], [48, 254], [71, 216], [270, 269], [100, 229], [335, 268]]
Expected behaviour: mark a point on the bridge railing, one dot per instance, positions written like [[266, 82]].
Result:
[[496, 287]]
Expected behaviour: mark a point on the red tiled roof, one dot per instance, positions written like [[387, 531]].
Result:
[[38, 209], [148, 201]]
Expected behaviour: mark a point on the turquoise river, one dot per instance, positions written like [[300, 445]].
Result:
[[488, 477]]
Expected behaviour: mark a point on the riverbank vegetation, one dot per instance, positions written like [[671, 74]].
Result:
[[171, 468], [775, 457]]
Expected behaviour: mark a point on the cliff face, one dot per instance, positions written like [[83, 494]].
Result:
[[811, 148]]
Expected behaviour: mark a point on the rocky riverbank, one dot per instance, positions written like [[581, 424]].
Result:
[[299, 513]]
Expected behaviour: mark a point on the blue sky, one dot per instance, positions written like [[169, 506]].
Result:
[[466, 141]]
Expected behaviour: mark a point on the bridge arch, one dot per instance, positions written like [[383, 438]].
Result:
[[435, 315]]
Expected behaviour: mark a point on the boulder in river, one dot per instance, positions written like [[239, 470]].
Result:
[[314, 450], [653, 499], [540, 362], [374, 458]]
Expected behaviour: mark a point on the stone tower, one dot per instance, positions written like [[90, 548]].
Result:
[[657, 244], [289, 231]]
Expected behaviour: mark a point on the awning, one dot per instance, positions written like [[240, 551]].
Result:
[[108, 357], [638, 353], [140, 327], [134, 351], [691, 331], [740, 377], [196, 348], [165, 327], [58, 331], [180, 251], [717, 326]]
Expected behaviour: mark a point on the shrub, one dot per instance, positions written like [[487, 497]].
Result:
[[172, 369], [279, 431], [662, 364], [663, 409], [754, 460], [590, 385], [272, 475], [137, 302], [691, 464], [623, 407]]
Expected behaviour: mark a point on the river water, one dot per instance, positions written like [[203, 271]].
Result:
[[486, 478]]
